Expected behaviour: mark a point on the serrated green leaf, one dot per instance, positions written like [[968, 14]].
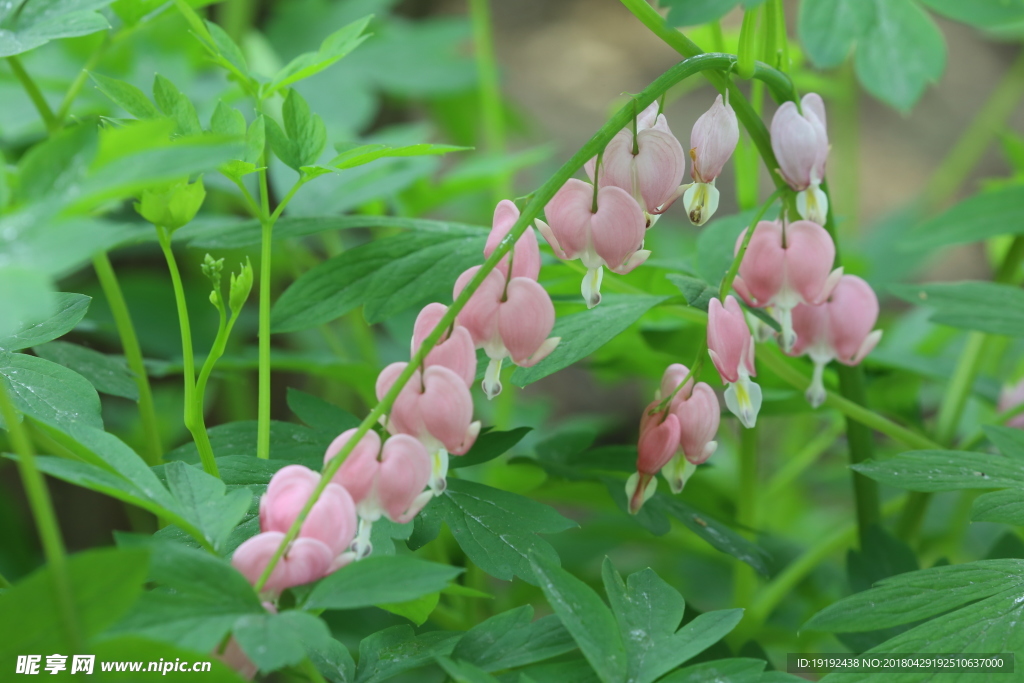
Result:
[[585, 332], [945, 471], [697, 293], [227, 120], [126, 96], [389, 652], [900, 53], [380, 579], [49, 392], [918, 595], [70, 309], [513, 639], [983, 306], [274, 641], [203, 501], [177, 106], [27, 25], [333, 48], [388, 275], [227, 47], [109, 374], [305, 130], [496, 529], [586, 617]]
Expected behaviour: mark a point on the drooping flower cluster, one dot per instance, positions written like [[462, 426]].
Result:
[[677, 433], [636, 179]]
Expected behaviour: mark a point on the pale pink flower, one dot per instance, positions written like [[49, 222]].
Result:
[[650, 170], [800, 143], [525, 253], [731, 348], [306, 560], [507, 320], [786, 265], [837, 329], [454, 351], [712, 142], [612, 236]]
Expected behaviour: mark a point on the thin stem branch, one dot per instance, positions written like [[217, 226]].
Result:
[[198, 431], [132, 353], [34, 94], [266, 254], [46, 520], [531, 211]]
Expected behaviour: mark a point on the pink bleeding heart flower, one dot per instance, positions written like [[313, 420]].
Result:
[[838, 329], [391, 485], [1011, 396], [455, 351], [511, 321], [305, 561], [731, 348], [659, 439], [525, 254], [800, 143], [786, 265], [611, 235], [332, 520], [649, 166], [699, 414], [712, 142], [435, 406]]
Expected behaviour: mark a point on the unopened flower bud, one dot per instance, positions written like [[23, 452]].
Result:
[[172, 206], [241, 286], [731, 348]]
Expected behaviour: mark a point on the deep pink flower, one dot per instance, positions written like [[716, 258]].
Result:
[[612, 236], [652, 175], [731, 348], [659, 439], [306, 560], [838, 329], [511, 321], [786, 265]]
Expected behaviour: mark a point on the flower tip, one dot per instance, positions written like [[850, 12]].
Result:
[[639, 489]]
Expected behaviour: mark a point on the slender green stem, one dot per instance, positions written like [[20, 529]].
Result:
[[772, 359], [198, 430], [266, 252], [132, 353], [46, 520], [493, 118], [975, 140], [34, 94], [531, 211], [311, 671], [734, 268], [861, 441], [769, 597]]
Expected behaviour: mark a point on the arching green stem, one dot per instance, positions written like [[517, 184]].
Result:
[[532, 210]]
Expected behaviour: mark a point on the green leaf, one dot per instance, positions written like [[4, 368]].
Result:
[[720, 671], [333, 48], [319, 414], [980, 13], [227, 48], [417, 610], [26, 296], [126, 96], [255, 141], [109, 374], [696, 12], [465, 672], [354, 154], [204, 503], [289, 442], [27, 25], [333, 660], [829, 28], [496, 529], [586, 617], [380, 579], [945, 471], [697, 293], [49, 392], [1009, 440], [1006, 507], [900, 53], [305, 130], [104, 585], [274, 641], [585, 332], [918, 595], [389, 275], [56, 165], [983, 306], [512, 639], [177, 106], [227, 120], [389, 652], [490, 445], [649, 612], [70, 309], [975, 219]]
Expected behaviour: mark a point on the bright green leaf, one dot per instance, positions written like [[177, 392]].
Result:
[[27, 25], [177, 106], [975, 219], [49, 392], [380, 579], [71, 309], [983, 306], [945, 471], [26, 297], [274, 641], [357, 155], [1006, 507], [829, 28], [203, 501], [109, 374], [513, 639], [333, 48], [126, 96], [389, 652]]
